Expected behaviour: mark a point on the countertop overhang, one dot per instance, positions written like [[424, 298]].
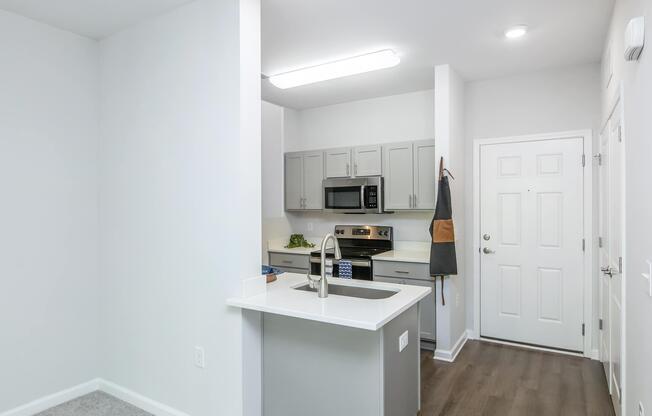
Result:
[[281, 298]]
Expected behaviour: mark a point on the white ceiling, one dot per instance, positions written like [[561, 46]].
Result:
[[92, 18], [468, 34]]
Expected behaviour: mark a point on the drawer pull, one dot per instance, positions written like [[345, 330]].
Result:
[[401, 272], [287, 262]]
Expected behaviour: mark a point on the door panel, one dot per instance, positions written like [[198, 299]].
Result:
[[338, 163], [313, 175], [398, 168], [532, 214], [367, 161], [425, 176], [293, 181]]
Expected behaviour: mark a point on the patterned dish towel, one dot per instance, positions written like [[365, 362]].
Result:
[[345, 269]]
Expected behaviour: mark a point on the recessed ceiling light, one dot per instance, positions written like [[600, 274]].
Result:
[[385, 58], [516, 32]]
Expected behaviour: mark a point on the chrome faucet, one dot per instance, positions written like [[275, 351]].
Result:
[[322, 289]]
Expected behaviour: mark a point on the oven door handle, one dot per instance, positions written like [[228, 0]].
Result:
[[355, 263], [362, 203]]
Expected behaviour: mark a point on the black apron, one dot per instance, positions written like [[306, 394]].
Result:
[[443, 261]]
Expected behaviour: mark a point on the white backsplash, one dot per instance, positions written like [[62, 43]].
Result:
[[408, 226]]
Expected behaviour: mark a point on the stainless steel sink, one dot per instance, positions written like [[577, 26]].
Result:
[[352, 291]]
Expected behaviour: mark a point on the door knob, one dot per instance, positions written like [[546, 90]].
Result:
[[487, 250]]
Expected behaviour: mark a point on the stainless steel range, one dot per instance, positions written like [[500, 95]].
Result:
[[358, 243]]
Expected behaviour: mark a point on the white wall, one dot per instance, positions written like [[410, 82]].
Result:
[[636, 78], [48, 243], [378, 120], [449, 144], [275, 224], [542, 102], [180, 202]]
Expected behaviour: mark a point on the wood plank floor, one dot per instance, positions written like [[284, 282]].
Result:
[[493, 379]]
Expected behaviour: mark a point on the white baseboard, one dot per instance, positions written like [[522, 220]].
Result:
[[595, 354], [131, 397], [138, 400], [450, 355], [52, 400]]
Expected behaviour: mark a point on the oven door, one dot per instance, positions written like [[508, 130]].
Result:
[[361, 269]]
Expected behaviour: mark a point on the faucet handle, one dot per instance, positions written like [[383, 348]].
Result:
[[312, 281]]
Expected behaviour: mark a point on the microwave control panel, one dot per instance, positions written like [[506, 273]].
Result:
[[371, 197]]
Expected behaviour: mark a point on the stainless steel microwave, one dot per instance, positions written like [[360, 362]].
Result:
[[353, 196]]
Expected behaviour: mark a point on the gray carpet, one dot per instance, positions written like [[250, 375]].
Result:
[[95, 404]]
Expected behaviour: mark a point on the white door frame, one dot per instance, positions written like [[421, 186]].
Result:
[[588, 264]]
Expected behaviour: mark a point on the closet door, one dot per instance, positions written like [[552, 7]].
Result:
[[398, 165]]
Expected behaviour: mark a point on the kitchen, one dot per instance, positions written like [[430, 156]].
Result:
[[155, 154]]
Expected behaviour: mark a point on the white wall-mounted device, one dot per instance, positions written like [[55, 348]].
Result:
[[634, 38]]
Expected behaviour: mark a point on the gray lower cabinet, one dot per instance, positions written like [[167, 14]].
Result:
[[291, 263], [416, 274], [320, 369]]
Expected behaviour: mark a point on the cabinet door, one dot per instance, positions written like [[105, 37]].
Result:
[[427, 304], [398, 168], [367, 161], [313, 174], [425, 175], [338, 163], [293, 181]]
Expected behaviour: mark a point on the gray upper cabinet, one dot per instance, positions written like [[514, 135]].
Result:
[[338, 163], [304, 173], [398, 176], [425, 176], [367, 161], [313, 175], [293, 181], [410, 177]]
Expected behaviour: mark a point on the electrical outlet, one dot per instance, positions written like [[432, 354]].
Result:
[[310, 227], [641, 410], [402, 341], [200, 357]]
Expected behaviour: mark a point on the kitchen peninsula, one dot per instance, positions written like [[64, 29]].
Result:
[[352, 353]]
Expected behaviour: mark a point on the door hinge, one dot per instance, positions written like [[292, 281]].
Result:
[[600, 324], [620, 265], [583, 245], [583, 160], [583, 327], [598, 157], [600, 242]]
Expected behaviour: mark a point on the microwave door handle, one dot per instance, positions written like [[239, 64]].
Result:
[[362, 203]]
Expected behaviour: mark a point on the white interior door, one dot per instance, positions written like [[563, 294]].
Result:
[[531, 196], [611, 254]]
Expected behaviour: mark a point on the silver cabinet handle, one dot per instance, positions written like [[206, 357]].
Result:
[[287, 262], [401, 272], [487, 250], [347, 169], [410, 199], [355, 170], [415, 200]]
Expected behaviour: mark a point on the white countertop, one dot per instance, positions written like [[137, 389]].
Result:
[[278, 246], [280, 298], [406, 256]]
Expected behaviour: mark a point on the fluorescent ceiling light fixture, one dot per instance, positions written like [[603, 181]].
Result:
[[385, 58], [516, 32]]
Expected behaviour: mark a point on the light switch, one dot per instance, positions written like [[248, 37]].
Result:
[[402, 341], [648, 276]]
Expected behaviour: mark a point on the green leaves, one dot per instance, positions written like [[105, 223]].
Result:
[[297, 240]]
